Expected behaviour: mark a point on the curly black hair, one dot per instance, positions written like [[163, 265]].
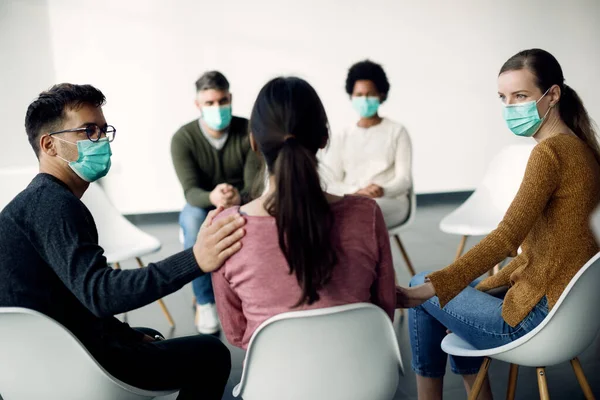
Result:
[[47, 112], [368, 70]]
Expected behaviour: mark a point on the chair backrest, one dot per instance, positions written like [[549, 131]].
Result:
[[40, 359], [347, 352], [116, 235], [505, 174], [412, 196], [570, 327], [13, 181], [413, 207], [484, 209]]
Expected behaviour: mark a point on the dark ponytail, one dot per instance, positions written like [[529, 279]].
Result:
[[548, 72], [573, 113], [289, 124]]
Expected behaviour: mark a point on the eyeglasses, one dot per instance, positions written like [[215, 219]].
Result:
[[93, 132]]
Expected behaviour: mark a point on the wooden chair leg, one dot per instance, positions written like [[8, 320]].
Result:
[[483, 370], [405, 256], [160, 302], [542, 383], [585, 386], [512, 381], [461, 247], [163, 307]]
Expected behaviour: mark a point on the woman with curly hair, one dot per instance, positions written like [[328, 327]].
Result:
[[372, 157]]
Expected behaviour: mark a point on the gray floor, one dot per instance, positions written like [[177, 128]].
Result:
[[429, 249]]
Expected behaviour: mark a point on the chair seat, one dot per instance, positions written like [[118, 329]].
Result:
[[30, 368], [468, 228], [139, 249], [568, 329], [454, 345], [513, 352]]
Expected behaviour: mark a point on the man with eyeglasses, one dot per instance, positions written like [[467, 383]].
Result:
[[216, 167], [50, 260]]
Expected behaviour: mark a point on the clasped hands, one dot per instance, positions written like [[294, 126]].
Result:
[[373, 191], [225, 195]]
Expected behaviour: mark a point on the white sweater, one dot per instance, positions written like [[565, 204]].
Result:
[[359, 157]]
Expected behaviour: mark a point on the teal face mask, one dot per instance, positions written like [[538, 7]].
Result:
[[523, 119], [94, 159], [217, 117], [365, 106]]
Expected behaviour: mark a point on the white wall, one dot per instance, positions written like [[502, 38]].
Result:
[[26, 68], [441, 57]]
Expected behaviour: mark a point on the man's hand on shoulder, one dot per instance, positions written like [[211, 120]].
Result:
[[218, 241]]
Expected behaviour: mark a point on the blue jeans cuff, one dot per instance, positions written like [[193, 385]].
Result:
[[471, 371], [427, 374]]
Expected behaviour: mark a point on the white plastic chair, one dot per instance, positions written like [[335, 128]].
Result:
[[484, 209], [13, 181], [41, 359], [570, 327], [347, 352], [395, 231], [120, 239]]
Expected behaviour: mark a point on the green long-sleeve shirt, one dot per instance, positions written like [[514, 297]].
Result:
[[200, 167]]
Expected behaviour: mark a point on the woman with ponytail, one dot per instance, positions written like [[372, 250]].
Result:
[[303, 248], [549, 219]]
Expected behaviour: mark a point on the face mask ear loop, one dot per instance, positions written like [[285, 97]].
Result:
[[63, 159], [544, 95], [544, 117], [549, 108], [66, 141]]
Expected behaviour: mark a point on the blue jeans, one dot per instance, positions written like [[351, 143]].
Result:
[[190, 220], [474, 316]]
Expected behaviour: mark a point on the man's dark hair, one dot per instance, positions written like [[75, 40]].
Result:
[[369, 71], [47, 112], [212, 80]]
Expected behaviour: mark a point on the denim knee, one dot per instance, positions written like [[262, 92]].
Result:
[[191, 218]]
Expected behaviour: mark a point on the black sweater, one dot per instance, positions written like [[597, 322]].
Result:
[[50, 261]]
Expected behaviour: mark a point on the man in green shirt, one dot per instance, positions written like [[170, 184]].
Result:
[[216, 167]]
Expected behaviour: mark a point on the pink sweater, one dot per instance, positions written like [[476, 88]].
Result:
[[255, 284]]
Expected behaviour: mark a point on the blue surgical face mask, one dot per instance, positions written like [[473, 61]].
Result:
[[365, 106], [94, 159], [217, 117], [523, 119]]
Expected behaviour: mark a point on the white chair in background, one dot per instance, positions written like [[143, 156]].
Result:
[[13, 181], [485, 208], [395, 231], [347, 352], [120, 239], [570, 327], [41, 359]]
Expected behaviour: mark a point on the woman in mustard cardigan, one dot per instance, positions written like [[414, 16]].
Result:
[[548, 219]]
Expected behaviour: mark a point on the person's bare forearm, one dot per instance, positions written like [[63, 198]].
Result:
[[414, 296]]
